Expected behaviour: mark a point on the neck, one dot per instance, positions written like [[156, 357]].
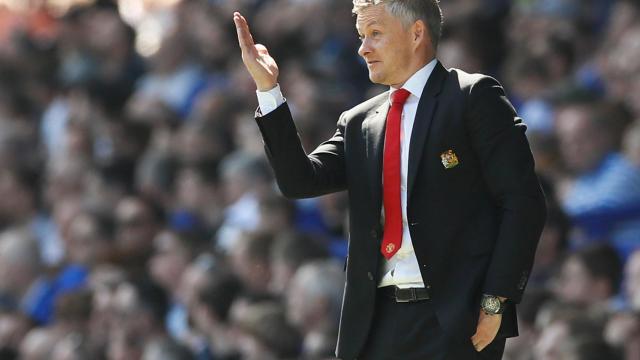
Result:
[[419, 64]]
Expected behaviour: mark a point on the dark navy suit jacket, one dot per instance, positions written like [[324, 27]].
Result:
[[474, 226]]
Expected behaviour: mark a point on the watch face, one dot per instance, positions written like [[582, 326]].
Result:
[[491, 304]]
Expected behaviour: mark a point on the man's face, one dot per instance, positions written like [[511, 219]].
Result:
[[581, 144], [576, 284], [169, 260], [386, 46], [135, 227]]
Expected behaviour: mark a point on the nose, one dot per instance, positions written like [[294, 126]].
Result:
[[364, 48]]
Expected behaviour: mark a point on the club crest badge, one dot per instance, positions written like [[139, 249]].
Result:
[[390, 247], [449, 159]]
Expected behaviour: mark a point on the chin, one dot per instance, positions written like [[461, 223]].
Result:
[[376, 78]]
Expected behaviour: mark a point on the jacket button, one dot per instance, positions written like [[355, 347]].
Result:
[[370, 276]]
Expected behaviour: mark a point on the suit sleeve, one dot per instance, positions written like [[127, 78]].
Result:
[[300, 175], [498, 138]]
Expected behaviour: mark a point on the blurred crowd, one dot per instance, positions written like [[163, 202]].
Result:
[[140, 220]]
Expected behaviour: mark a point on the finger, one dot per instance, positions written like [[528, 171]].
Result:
[[239, 28], [242, 28], [478, 344], [247, 27], [476, 338]]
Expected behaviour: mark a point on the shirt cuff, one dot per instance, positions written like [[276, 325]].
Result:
[[270, 100]]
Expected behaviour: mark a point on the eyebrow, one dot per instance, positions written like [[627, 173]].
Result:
[[371, 22]]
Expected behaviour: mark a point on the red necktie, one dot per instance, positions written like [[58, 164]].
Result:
[[392, 238]]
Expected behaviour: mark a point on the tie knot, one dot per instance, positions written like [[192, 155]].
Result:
[[400, 96]]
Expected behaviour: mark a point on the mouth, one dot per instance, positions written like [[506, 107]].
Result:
[[371, 63]]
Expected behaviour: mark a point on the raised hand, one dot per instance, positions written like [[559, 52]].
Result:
[[256, 58]]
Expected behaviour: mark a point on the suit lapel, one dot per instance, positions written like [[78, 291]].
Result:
[[374, 127], [422, 123]]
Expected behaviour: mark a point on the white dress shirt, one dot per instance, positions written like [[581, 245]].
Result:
[[402, 269]]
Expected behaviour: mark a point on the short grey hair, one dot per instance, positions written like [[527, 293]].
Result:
[[410, 11]]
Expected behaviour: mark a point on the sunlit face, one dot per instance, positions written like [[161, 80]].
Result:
[[386, 46]]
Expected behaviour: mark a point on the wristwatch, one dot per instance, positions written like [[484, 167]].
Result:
[[491, 305]]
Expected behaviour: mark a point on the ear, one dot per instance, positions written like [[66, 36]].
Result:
[[419, 31], [420, 34]]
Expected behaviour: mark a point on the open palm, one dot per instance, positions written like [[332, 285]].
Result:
[[256, 58]]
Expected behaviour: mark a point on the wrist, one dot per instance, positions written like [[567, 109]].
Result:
[[266, 87], [492, 305]]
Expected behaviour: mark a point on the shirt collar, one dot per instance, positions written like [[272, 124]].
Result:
[[416, 83]]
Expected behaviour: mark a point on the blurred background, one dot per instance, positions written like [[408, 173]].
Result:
[[139, 219]]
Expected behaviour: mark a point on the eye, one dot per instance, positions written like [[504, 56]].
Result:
[[375, 33]]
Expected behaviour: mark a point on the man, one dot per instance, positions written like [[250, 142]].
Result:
[[590, 276], [602, 190], [445, 207], [313, 299]]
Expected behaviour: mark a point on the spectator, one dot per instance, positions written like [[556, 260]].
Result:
[[13, 328], [137, 222], [141, 307], [39, 343], [210, 313], [198, 195], [289, 252], [250, 260], [602, 195], [314, 299], [114, 112], [72, 347], [19, 201], [20, 267], [264, 334], [174, 78], [104, 283], [590, 276], [276, 213], [519, 348], [173, 251], [622, 332], [242, 178], [559, 324]]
